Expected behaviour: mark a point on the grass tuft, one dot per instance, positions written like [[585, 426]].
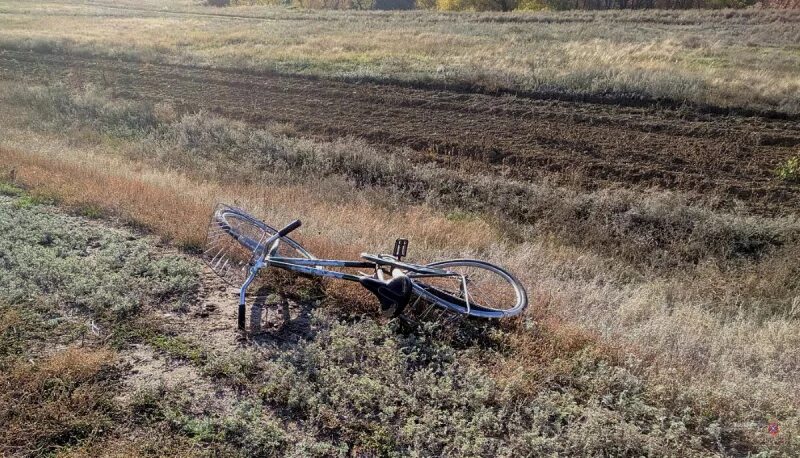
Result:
[[790, 170], [59, 401], [8, 189]]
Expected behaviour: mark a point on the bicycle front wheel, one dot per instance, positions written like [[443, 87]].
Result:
[[234, 237], [472, 287]]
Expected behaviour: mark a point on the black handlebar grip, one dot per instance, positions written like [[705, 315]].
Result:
[[292, 226]]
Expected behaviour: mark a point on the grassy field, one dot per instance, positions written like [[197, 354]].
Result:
[[709, 334], [108, 349], [722, 58], [661, 322]]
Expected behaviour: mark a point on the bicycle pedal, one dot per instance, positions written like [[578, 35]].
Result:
[[400, 249]]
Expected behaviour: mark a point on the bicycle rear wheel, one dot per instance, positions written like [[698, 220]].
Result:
[[490, 292], [234, 237]]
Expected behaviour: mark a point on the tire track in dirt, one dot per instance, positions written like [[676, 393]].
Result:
[[524, 138]]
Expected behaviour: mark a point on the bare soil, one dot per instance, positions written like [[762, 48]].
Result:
[[210, 322], [590, 145]]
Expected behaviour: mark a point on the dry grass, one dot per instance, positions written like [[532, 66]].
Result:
[[537, 356], [175, 218], [723, 58], [149, 443], [55, 401], [178, 208]]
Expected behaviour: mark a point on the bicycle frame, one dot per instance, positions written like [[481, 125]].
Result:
[[263, 259], [260, 244]]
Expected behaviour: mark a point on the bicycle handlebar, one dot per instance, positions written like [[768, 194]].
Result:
[[289, 228]]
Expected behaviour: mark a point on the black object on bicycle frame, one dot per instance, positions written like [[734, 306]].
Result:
[[400, 249]]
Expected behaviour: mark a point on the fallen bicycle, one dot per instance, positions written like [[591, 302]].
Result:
[[239, 246]]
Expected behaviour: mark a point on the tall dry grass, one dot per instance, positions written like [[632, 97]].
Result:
[[722, 58], [178, 208]]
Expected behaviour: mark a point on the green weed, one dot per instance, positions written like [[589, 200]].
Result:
[[790, 170], [91, 211], [178, 347], [30, 200], [9, 189]]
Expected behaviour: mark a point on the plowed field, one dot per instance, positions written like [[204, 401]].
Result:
[[591, 144]]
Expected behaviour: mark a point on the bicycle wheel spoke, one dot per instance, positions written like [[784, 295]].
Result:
[[427, 311]]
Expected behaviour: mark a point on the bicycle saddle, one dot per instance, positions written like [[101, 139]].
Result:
[[393, 295]]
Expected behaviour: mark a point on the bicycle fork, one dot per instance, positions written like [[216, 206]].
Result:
[[242, 293], [259, 254]]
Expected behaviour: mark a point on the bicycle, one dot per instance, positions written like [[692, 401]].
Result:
[[239, 246]]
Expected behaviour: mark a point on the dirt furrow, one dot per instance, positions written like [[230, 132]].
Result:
[[685, 149]]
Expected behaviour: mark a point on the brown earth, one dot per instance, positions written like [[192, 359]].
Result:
[[585, 144]]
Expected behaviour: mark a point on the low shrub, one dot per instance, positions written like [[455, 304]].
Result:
[[62, 283], [107, 273], [389, 394], [9, 189]]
